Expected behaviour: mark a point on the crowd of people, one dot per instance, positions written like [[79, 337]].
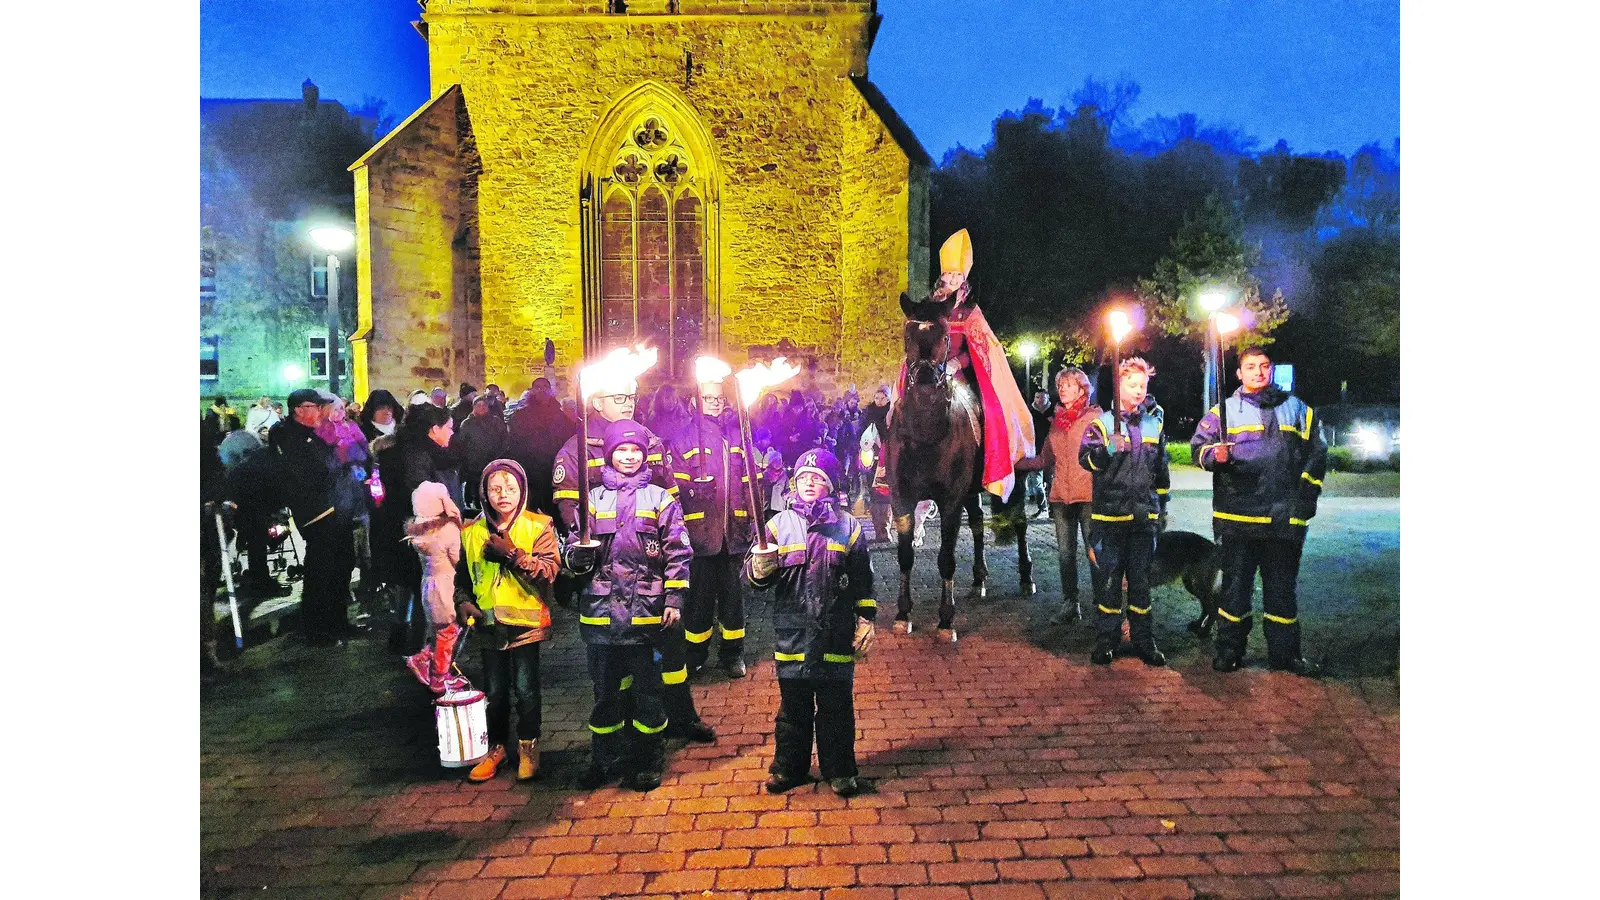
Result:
[[469, 516]]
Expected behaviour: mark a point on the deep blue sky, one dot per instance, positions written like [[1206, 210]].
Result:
[[1321, 74]]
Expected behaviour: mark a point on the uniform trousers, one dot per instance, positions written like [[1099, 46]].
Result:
[[629, 710], [1278, 560], [716, 596], [1124, 551], [826, 706]]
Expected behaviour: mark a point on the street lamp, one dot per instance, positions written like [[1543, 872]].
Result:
[[333, 240], [1028, 349]]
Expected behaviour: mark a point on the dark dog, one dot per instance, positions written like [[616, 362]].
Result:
[[1186, 556]]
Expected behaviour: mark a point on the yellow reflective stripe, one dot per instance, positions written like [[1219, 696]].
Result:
[[1213, 410], [606, 729], [1262, 520], [673, 490], [627, 682], [1224, 613], [653, 457], [1161, 490], [790, 548], [1149, 440], [690, 453], [839, 547], [646, 513], [745, 479], [838, 657], [593, 620], [1154, 515], [647, 620], [678, 677], [646, 729], [789, 657], [732, 634], [855, 535], [1107, 610], [738, 513], [736, 449], [690, 517], [1238, 428], [677, 583], [596, 463], [1092, 466], [1279, 619], [566, 495], [697, 637], [866, 604], [609, 514], [682, 476], [1306, 435], [1134, 609], [1099, 518], [1300, 522], [1289, 428], [1307, 476]]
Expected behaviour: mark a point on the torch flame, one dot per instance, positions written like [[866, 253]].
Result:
[[620, 365], [1120, 325], [1227, 323], [757, 378], [709, 369]]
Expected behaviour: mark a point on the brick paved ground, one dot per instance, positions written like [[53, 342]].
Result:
[[1009, 768]]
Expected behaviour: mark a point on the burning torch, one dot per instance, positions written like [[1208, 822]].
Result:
[[752, 381], [1119, 324], [1226, 323], [618, 372]]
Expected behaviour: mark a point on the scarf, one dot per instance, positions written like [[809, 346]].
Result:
[[822, 511], [1065, 415]]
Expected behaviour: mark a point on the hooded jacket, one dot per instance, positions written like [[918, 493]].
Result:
[[1273, 478], [1130, 488], [515, 598], [564, 477], [643, 566], [712, 483], [435, 532], [822, 586]]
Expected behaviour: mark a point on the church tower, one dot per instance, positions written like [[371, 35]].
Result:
[[701, 176]]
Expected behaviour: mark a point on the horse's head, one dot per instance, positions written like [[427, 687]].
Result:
[[925, 400]]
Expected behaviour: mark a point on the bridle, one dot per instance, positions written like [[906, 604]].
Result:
[[939, 367]]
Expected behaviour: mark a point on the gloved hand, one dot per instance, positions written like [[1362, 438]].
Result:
[[863, 639], [499, 549], [582, 558], [763, 562], [468, 612], [1221, 454]]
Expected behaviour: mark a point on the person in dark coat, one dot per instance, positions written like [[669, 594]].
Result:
[[463, 405], [536, 432], [816, 560], [380, 415], [1268, 471], [479, 440], [635, 582], [309, 470], [252, 485], [218, 421], [1126, 450]]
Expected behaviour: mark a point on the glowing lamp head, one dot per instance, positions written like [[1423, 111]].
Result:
[[292, 372], [333, 239], [757, 378], [1211, 301], [710, 370], [1119, 324], [1227, 323], [1028, 349]]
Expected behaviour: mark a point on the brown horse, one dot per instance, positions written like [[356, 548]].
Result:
[[935, 452]]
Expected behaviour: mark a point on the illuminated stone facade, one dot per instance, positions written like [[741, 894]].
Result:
[[707, 176]]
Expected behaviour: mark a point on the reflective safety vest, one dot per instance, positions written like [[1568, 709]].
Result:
[[499, 593]]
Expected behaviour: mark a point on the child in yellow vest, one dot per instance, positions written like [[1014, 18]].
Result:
[[509, 560]]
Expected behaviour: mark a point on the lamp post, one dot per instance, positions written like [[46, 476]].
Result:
[[1028, 349], [333, 240], [1222, 323], [1210, 301]]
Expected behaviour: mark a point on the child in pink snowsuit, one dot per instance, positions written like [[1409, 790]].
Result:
[[435, 532]]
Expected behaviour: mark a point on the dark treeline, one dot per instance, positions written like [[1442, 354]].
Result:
[[1075, 208]]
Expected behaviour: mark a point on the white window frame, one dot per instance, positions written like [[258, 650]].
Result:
[[216, 350], [312, 352]]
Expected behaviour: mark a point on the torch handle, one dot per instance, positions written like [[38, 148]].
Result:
[[583, 471], [752, 473], [1222, 390], [1116, 388]]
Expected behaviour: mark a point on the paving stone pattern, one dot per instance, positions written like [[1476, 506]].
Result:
[[1008, 767]]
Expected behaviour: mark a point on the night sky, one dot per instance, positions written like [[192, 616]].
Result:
[[1321, 74]]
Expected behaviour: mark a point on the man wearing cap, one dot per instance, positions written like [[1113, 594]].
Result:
[[816, 559], [308, 474], [712, 482], [463, 406]]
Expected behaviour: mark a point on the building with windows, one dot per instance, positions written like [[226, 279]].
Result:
[[700, 176]]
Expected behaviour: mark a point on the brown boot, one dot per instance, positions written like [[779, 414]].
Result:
[[527, 760], [489, 765]]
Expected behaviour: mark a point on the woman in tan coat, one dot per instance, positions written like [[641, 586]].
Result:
[[1072, 493]]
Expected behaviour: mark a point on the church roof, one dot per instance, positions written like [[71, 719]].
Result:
[[400, 129], [902, 133]]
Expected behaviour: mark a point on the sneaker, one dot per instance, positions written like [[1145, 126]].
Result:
[[850, 787], [421, 666], [696, 731]]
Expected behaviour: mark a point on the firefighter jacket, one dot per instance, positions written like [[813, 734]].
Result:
[[1129, 487], [644, 557], [564, 477], [713, 486], [1273, 478], [823, 587]]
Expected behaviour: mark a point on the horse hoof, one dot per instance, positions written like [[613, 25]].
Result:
[[902, 627], [947, 635], [979, 591], [1029, 589]]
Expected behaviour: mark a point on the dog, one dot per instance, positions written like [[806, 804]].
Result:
[[1188, 557]]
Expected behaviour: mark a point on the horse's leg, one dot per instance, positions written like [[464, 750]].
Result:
[[902, 528], [949, 526], [980, 565]]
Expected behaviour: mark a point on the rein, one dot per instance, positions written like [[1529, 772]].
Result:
[[940, 375]]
